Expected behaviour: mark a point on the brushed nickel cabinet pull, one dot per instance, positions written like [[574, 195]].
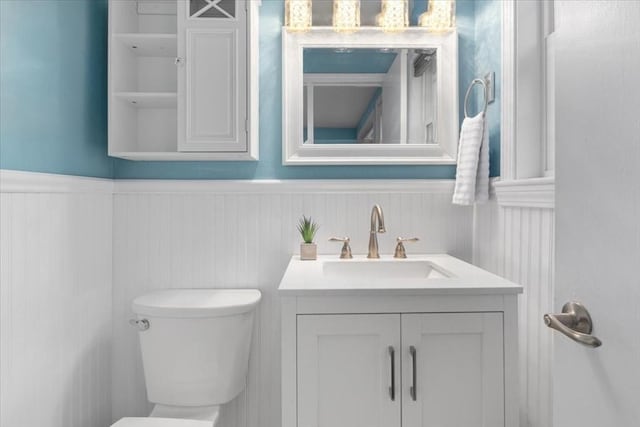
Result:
[[413, 390], [392, 388]]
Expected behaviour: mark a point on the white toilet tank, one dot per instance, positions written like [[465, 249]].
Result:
[[195, 351]]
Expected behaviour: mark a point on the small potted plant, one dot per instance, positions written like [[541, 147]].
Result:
[[308, 229]]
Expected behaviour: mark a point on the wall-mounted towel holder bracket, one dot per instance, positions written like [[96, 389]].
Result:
[[490, 78]]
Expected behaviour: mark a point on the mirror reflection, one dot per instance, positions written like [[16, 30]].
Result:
[[370, 96]]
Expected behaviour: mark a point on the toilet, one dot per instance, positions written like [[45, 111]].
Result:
[[195, 351]]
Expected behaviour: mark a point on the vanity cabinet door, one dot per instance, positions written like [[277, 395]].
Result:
[[212, 75], [456, 369], [345, 369]]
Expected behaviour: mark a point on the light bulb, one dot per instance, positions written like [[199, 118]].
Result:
[[440, 16], [297, 15], [394, 16], [346, 15]]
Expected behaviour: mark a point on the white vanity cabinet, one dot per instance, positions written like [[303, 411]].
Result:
[[441, 369], [183, 79], [396, 352]]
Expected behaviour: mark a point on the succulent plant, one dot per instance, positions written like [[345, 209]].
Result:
[[307, 228]]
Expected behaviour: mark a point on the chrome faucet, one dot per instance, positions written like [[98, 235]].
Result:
[[377, 226]]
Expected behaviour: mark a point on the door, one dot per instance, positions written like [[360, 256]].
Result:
[[212, 75], [452, 370], [598, 210], [348, 370]]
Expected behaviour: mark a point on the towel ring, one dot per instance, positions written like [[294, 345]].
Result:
[[482, 83]]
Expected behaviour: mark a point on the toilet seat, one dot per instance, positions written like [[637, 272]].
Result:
[[160, 422]]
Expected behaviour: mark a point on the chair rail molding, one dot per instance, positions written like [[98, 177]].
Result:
[[14, 181], [526, 193], [270, 186]]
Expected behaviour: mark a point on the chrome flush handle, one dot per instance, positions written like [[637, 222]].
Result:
[[142, 324]]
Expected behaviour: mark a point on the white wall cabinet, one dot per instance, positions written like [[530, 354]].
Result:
[[410, 370], [183, 79]]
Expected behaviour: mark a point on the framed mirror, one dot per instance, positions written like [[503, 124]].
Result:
[[370, 97]]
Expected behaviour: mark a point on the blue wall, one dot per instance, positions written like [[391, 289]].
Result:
[[53, 94], [488, 51], [53, 87]]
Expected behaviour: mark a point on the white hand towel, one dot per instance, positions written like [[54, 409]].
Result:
[[472, 175]]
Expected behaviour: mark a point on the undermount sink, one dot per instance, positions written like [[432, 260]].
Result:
[[382, 269]]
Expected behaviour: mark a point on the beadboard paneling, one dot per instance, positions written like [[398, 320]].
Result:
[[517, 243], [55, 307], [220, 239]]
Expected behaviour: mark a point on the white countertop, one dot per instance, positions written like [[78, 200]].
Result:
[[306, 278]]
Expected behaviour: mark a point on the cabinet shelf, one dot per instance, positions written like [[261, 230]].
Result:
[[143, 44], [149, 99]]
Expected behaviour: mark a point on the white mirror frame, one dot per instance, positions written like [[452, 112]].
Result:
[[443, 152]]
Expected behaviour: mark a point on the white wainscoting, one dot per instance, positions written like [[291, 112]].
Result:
[[55, 300], [234, 235], [517, 242]]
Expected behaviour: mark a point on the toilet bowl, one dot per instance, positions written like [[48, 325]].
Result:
[[195, 347]]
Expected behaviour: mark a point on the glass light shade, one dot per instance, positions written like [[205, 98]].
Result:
[[440, 16], [394, 16], [346, 15], [297, 15]]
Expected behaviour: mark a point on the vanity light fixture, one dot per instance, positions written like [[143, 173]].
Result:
[[297, 15], [394, 16], [346, 15], [440, 16]]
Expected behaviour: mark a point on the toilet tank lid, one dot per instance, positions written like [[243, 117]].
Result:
[[190, 303], [159, 422]]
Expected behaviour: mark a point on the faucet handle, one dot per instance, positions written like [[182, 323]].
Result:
[[400, 250], [345, 252]]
